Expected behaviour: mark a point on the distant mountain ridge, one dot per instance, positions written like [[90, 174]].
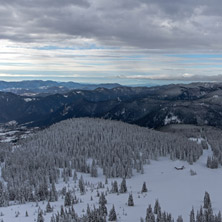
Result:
[[196, 103], [48, 87]]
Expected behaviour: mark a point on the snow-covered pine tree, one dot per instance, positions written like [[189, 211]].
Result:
[[218, 217], [53, 195], [201, 215], [49, 209], [115, 187], [102, 205], [75, 177], [112, 214], [40, 217], [192, 216], [81, 185], [207, 201], [212, 162], [144, 188], [102, 199], [130, 200], [209, 162], [3, 195], [93, 169], [208, 214], [157, 207], [123, 187], [68, 199], [159, 216], [150, 217]]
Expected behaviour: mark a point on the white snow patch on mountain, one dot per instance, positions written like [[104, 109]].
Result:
[[28, 99], [171, 118]]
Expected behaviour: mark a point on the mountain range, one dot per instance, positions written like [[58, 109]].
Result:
[[195, 103], [33, 87]]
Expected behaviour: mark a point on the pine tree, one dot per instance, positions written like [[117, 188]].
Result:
[[150, 215], [40, 217], [214, 163], [53, 195], [218, 217], [164, 216], [103, 210], [93, 170], [81, 185], [49, 209], [149, 209], [169, 218], [209, 162], [123, 187], [157, 207], [75, 177], [115, 187], [159, 216], [200, 215], [144, 188], [208, 214], [68, 199], [3, 196], [62, 212], [102, 199], [207, 201], [192, 216], [88, 210], [112, 214], [130, 200], [102, 204]]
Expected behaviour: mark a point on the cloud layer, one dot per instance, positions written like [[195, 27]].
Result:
[[152, 24], [118, 40]]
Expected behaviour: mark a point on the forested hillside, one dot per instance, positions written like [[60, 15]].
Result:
[[83, 159], [196, 103], [84, 145]]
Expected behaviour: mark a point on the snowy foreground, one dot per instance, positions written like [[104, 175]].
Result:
[[176, 190]]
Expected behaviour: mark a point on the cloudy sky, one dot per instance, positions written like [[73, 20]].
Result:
[[125, 41]]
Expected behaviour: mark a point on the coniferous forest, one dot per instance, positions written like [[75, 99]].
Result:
[[33, 168], [117, 148]]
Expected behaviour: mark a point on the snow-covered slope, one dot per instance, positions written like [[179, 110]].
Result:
[[102, 148], [176, 190]]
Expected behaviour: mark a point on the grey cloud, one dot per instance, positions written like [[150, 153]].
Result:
[[43, 3], [215, 78], [189, 78], [148, 24]]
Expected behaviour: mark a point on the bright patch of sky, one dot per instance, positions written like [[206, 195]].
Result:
[[93, 64]]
